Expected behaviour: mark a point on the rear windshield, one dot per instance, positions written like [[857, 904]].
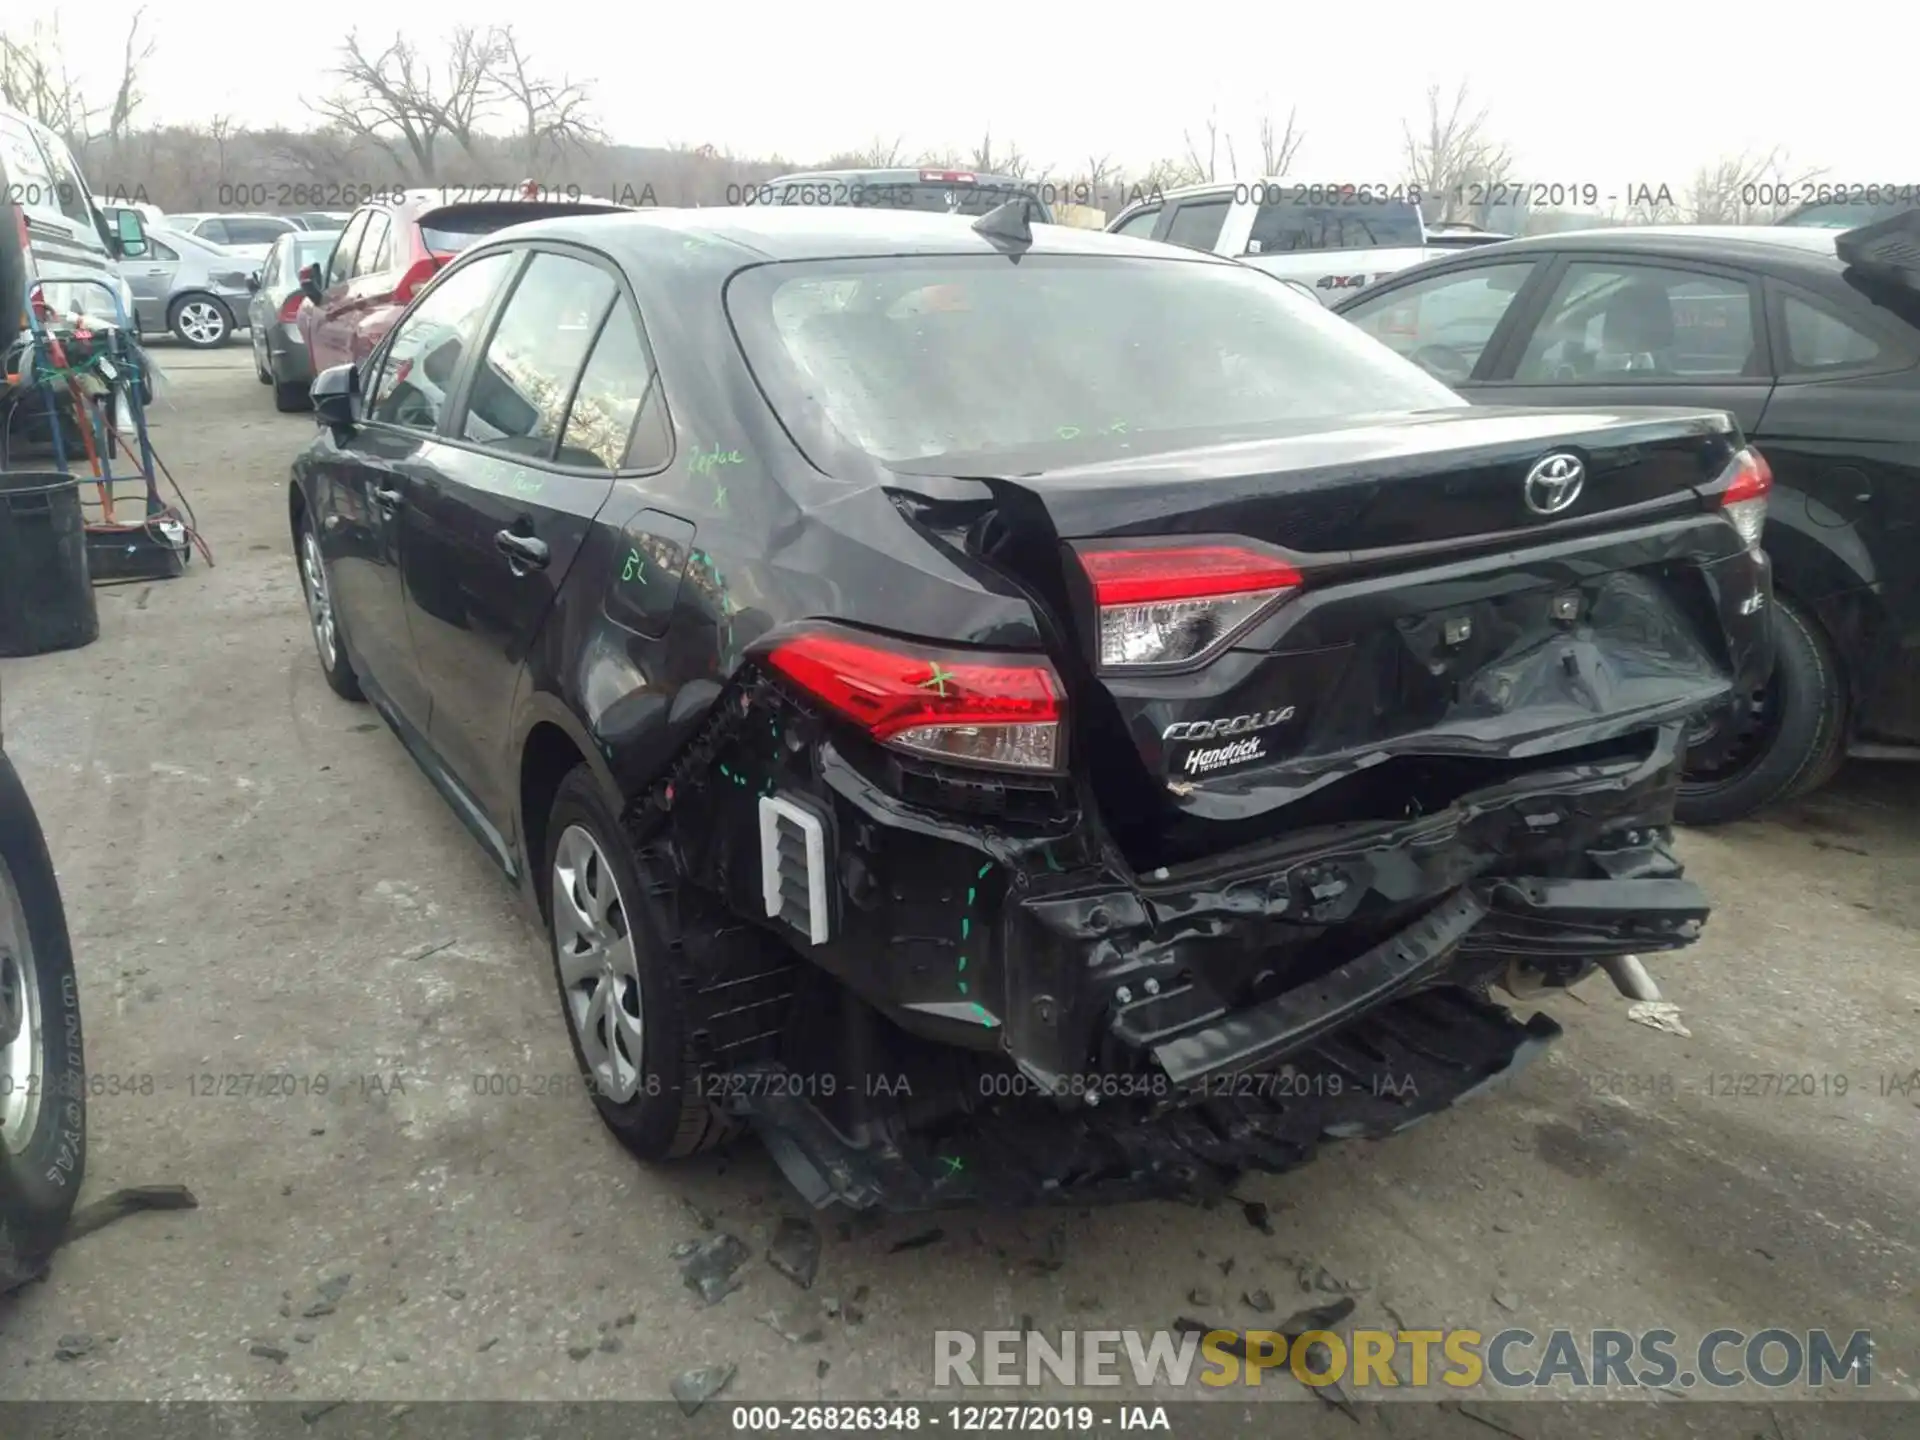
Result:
[[921, 358], [1293, 218], [937, 198], [450, 230]]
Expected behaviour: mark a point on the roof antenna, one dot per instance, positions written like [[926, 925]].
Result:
[[1007, 222]]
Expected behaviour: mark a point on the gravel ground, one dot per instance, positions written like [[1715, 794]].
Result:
[[260, 882]]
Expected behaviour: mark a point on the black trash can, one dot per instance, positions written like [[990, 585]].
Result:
[[46, 594]]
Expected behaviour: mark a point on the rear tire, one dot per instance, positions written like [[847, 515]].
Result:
[[200, 321], [613, 925], [1800, 742], [287, 398], [43, 1101]]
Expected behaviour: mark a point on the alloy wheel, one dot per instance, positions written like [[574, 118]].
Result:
[[313, 571], [599, 971], [201, 322], [22, 1070]]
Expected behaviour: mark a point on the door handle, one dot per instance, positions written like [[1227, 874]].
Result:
[[523, 552], [388, 499]]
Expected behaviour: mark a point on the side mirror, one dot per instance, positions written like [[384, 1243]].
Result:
[[310, 283], [130, 235], [336, 397], [253, 282]]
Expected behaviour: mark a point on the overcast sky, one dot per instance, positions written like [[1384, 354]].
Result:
[[1622, 94]]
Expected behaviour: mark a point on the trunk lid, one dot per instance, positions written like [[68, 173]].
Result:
[[1376, 603]]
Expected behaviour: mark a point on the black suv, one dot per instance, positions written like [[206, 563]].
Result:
[[1014, 712]]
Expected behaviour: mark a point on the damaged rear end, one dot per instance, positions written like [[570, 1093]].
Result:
[[1323, 731]]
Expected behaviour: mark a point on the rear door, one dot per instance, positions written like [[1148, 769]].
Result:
[[523, 468], [368, 310], [151, 278], [366, 483], [1623, 330], [329, 335]]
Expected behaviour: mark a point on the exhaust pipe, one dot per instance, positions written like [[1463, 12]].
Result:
[[1630, 977]]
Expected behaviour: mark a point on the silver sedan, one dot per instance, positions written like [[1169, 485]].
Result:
[[188, 286]]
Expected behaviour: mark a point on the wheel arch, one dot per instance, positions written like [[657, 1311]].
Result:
[[552, 743]]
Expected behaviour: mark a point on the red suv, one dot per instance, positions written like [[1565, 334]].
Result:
[[392, 247]]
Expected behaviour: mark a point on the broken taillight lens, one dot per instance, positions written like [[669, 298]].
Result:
[[289, 310], [1171, 606], [1744, 500], [1004, 711], [418, 274]]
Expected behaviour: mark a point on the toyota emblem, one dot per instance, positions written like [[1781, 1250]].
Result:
[[1553, 484]]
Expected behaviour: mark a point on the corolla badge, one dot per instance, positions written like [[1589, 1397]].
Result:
[[1554, 483]]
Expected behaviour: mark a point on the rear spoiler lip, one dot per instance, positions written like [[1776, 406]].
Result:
[[1887, 249]]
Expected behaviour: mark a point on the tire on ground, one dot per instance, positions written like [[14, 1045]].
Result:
[[668, 1116], [41, 1172], [1807, 744]]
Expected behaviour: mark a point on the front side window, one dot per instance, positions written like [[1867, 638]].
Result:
[[422, 359], [376, 245], [1443, 324], [520, 391], [1610, 322], [1061, 359]]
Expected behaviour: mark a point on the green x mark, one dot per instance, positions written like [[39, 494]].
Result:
[[938, 679], [953, 1163], [719, 495]]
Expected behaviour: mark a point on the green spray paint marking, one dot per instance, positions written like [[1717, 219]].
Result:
[[966, 921], [1068, 432], [983, 871], [705, 462], [1052, 864], [938, 679], [635, 568], [953, 1163], [527, 485]]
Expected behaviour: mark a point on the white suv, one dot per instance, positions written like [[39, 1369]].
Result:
[[1334, 239]]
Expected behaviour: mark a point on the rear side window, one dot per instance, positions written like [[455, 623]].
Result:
[[255, 229], [214, 230], [1077, 358], [1286, 221], [423, 357], [1196, 223], [1817, 339], [618, 383], [162, 251], [376, 246], [520, 391], [1610, 322], [340, 266], [1139, 226]]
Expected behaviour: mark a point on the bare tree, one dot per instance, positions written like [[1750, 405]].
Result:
[[1205, 166], [394, 98], [34, 79], [1277, 151], [1008, 162], [878, 154], [126, 95], [554, 115], [1453, 152]]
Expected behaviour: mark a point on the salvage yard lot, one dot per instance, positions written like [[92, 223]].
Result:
[[260, 883]]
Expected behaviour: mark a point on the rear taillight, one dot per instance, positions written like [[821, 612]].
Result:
[[418, 274], [1744, 500], [1171, 606], [1004, 711], [290, 308]]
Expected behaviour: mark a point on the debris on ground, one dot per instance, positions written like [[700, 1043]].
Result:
[[1317, 1317], [795, 1252], [454, 1292], [1258, 1215], [268, 1351], [918, 1242], [708, 1269], [609, 1344], [317, 1309], [311, 1413], [333, 1287], [1661, 1015], [1506, 1299], [97, 1215], [73, 1347], [577, 1353], [693, 1388], [303, 1337], [792, 1329], [1200, 1295], [694, 1213], [1258, 1301]]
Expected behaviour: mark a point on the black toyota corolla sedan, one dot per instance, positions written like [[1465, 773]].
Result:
[[1811, 340], [1017, 713]]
